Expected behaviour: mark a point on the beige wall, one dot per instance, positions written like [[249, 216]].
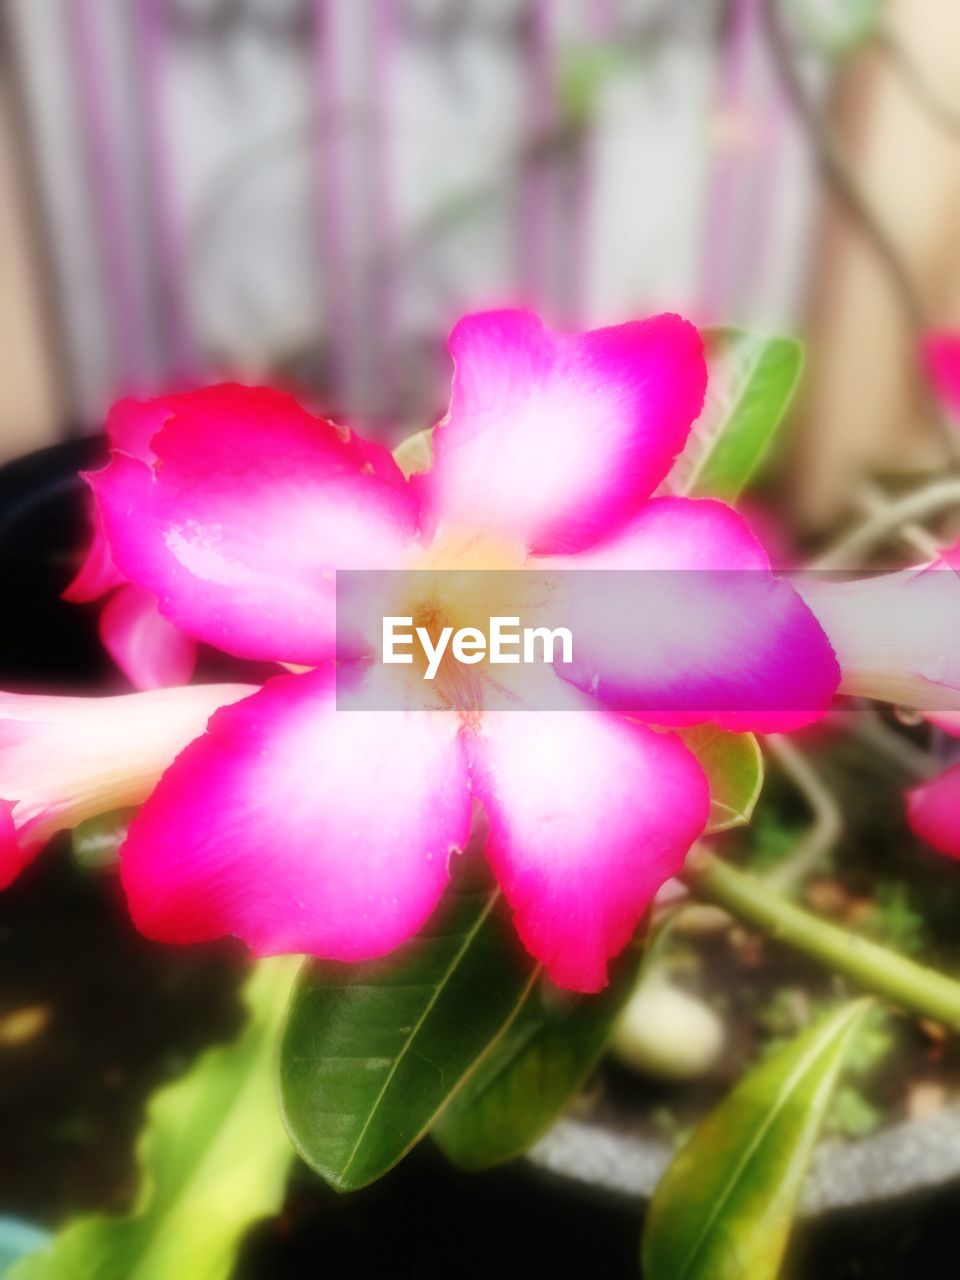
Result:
[[864, 410], [29, 398]]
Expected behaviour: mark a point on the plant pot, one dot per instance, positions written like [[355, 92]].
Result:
[[46, 644], [902, 1160]]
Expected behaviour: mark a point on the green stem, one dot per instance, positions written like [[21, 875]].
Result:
[[901, 981]]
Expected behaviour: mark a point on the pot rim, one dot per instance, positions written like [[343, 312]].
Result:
[[900, 1160]]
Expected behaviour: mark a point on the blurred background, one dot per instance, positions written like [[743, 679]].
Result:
[[308, 192]]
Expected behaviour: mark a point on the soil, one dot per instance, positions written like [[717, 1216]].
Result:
[[93, 1018]]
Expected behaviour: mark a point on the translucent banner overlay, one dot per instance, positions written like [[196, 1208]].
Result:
[[672, 646]]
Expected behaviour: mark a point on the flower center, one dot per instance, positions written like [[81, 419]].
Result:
[[463, 580], [459, 547]]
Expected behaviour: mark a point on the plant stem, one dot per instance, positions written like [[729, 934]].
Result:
[[918, 504], [897, 979], [827, 826]]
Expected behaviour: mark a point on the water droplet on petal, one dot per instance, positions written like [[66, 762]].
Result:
[[937, 668], [908, 716]]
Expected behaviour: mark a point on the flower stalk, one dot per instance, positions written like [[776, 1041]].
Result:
[[875, 968]]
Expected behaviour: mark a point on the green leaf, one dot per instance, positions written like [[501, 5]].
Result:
[[750, 385], [724, 1207], [96, 842], [733, 764], [371, 1052], [213, 1157], [521, 1087], [584, 72]]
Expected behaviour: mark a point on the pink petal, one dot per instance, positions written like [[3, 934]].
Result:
[[251, 507], [933, 811], [149, 650], [673, 534], [97, 574], [301, 829], [553, 439], [13, 855], [63, 760], [131, 426], [707, 633], [895, 634], [589, 815], [949, 722], [941, 358]]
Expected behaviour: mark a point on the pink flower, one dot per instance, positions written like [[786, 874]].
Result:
[[63, 760], [301, 829], [933, 808], [150, 652], [940, 354], [895, 633]]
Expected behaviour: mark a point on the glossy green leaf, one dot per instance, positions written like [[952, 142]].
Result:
[[214, 1158], [522, 1086], [733, 764], [96, 842], [751, 381], [371, 1052], [724, 1207]]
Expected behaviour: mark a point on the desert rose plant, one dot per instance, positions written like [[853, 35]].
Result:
[[472, 887]]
